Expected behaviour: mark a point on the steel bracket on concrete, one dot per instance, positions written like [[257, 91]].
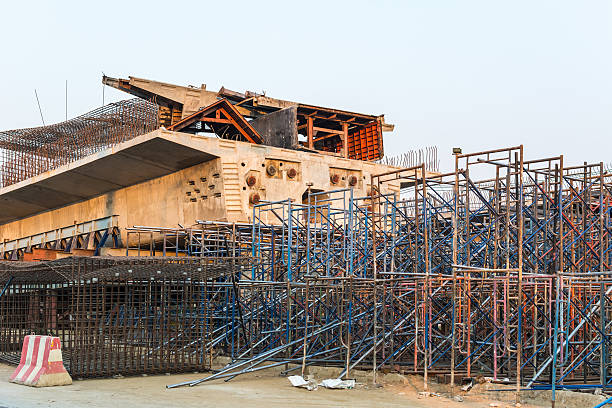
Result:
[[66, 238]]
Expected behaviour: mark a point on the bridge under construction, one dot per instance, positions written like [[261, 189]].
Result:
[[155, 234]]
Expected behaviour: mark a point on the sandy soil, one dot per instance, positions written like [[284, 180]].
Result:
[[263, 389]]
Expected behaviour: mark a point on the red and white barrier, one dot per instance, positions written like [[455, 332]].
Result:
[[41, 363]]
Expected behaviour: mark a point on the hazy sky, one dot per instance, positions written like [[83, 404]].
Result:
[[474, 74]]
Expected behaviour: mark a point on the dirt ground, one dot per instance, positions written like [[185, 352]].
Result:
[[263, 389]]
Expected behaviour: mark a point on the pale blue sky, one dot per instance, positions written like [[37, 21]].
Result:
[[475, 74]]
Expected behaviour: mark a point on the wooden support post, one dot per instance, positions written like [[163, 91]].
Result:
[[345, 140], [310, 133]]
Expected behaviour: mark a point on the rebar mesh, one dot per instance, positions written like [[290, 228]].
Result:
[[114, 315], [25, 153]]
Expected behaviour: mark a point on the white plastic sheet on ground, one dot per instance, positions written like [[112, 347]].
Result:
[[331, 383], [338, 384], [299, 381]]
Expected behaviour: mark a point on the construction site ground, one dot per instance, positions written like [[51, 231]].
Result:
[[265, 389]]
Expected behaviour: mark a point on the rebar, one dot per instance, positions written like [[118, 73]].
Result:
[[26, 153]]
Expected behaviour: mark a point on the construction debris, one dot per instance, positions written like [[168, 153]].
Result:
[[299, 381], [338, 384], [311, 385]]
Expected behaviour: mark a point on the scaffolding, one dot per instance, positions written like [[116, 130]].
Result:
[[499, 268], [502, 262]]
